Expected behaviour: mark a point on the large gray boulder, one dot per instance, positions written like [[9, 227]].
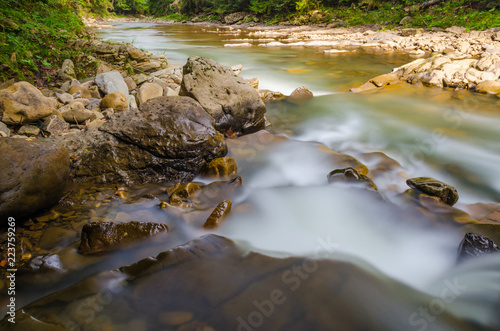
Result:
[[168, 138], [34, 176], [110, 82], [231, 101]]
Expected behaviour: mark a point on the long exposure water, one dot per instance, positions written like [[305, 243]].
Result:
[[288, 208]]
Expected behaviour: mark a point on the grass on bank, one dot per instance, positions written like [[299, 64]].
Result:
[[34, 36]]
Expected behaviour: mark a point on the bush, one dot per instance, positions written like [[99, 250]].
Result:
[[33, 35]]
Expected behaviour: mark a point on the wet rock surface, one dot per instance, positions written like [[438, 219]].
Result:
[[148, 293], [100, 237], [217, 216], [34, 176], [221, 167], [350, 175], [231, 101], [433, 187], [300, 95], [169, 138], [474, 245]]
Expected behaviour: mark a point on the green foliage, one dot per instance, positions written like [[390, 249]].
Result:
[[161, 7], [307, 5], [131, 6], [272, 7], [34, 35]]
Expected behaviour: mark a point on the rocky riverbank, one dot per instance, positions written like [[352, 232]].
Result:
[[452, 57]]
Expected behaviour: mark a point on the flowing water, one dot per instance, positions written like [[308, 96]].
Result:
[[453, 136], [450, 135]]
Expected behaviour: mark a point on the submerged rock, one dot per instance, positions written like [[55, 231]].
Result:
[[221, 167], [181, 287], [99, 237], [169, 138], [476, 245], [350, 175], [299, 95], [42, 269], [447, 193], [34, 175], [231, 101]]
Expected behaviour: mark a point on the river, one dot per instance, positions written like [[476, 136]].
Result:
[[450, 135], [445, 134]]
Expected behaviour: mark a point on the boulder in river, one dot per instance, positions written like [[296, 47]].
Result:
[[34, 176], [99, 237], [299, 95], [433, 187], [169, 138], [24, 103], [231, 101]]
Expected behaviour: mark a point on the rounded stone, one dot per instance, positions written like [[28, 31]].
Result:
[[116, 100]]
